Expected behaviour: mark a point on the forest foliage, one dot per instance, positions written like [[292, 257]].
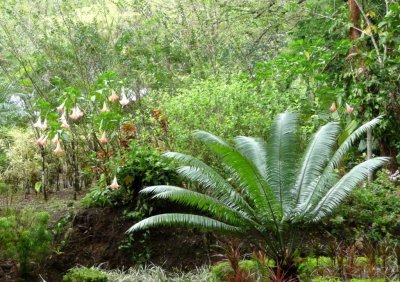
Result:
[[92, 92]]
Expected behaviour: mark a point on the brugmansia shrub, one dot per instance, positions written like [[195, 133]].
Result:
[[273, 189], [25, 238], [143, 166]]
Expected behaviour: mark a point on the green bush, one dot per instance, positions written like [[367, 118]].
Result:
[[84, 274], [222, 270], [246, 110], [309, 266], [4, 188], [23, 160], [99, 195], [24, 237], [144, 166], [380, 206]]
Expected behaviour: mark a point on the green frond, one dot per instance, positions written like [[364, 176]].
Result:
[[314, 161], [319, 187], [282, 155], [216, 209], [251, 181], [254, 150], [344, 186], [217, 186], [208, 138], [348, 143], [186, 220], [209, 179], [186, 159]]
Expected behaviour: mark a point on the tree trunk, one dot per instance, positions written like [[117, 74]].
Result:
[[355, 33], [43, 178], [391, 151], [369, 151], [355, 17], [75, 165], [58, 182]]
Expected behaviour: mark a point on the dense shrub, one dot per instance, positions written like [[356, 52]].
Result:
[[22, 158], [24, 237], [144, 166], [222, 106], [99, 195], [371, 212], [309, 267]]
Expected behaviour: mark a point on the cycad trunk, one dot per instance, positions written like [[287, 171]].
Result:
[[286, 270]]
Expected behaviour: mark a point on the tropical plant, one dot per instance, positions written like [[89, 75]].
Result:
[[272, 192], [25, 238]]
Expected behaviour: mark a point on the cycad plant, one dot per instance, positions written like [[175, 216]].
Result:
[[274, 188]]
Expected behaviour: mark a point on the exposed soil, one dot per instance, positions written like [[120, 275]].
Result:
[[96, 235], [8, 271]]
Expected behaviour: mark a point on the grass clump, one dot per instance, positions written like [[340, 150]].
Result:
[[157, 274]]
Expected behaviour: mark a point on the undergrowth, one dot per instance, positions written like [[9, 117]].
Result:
[[157, 274]]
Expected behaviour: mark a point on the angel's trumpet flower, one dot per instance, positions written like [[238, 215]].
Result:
[[113, 97], [58, 150], [41, 141], [349, 109], [105, 108], [60, 108], [114, 185], [103, 139], [333, 107]]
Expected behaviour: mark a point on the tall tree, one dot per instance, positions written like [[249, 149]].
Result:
[[355, 17]]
